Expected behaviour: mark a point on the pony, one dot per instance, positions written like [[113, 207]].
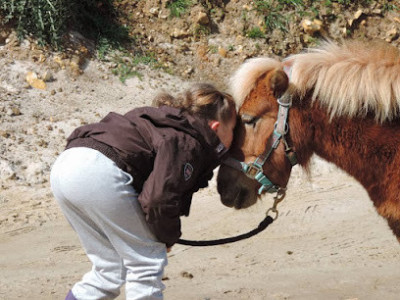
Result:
[[338, 101]]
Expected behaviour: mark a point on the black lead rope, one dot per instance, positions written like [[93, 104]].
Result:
[[263, 224]]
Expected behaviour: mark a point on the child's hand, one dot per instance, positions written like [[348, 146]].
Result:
[[169, 249]]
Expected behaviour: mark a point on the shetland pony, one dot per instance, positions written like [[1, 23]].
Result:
[[345, 107]]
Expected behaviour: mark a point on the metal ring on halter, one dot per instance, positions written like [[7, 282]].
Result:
[[284, 104], [286, 127]]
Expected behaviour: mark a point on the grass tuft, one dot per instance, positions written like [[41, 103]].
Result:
[[178, 7]]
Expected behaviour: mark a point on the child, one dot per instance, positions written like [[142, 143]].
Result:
[[124, 182]]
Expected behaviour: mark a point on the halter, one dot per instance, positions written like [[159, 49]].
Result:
[[254, 170]]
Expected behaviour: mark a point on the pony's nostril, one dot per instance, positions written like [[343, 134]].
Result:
[[227, 201], [241, 199]]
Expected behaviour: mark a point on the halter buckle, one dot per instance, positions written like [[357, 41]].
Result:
[[253, 169]]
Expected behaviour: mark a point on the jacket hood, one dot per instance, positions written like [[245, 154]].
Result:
[[181, 120]]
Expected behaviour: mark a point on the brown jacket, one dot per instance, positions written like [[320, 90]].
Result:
[[169, 153]]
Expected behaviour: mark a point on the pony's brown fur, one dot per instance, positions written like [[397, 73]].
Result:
[[345, 109]]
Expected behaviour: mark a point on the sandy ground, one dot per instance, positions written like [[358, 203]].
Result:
[[328, 242]]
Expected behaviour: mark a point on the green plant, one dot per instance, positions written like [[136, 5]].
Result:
[[272, 12], [344, 2], [389, 7], [255, 33], [146, 59], [294, 3], [127, 64], [275, 20], [201, 30], [48, 20], [178, 7], [44, 19], [213, 49], [104, 47], [125, 71]]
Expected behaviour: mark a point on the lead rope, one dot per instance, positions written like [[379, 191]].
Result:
[[263, 224]]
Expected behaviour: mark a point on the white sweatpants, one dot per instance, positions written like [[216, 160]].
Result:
[[101, 205]]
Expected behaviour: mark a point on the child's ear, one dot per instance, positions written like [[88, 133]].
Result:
[[214, 124]]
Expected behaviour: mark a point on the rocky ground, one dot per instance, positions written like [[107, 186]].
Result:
[[328, 243], [217, 35]]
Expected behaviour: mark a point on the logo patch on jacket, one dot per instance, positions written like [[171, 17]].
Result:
[[187, 171]]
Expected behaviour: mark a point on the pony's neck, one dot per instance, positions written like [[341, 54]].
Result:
[[360, 147]]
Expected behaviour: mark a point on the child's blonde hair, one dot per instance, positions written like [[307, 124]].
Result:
[[203, 100]]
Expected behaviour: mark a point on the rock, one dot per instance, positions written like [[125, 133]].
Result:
[[75, 65], [247, 7], [377, 11], [4, 134], [6, 170], [154, 11], [60, 61], [202, 18], [42, 143], [185, 274], [47, 76], [12, 40], [34, 81], [36, 173], [392, 35], [356, 16], [15, 111], [311, 27], [9, 112], [4, 33], [179, 33], [189, 70], [222, 51]]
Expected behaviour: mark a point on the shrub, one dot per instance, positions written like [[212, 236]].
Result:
[[43, 19], [98, 20], [48, 20]]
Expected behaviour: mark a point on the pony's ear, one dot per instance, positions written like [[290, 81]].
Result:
[[279, 82]]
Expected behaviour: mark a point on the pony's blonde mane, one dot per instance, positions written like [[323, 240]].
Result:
[[350, 80], [244, 79]]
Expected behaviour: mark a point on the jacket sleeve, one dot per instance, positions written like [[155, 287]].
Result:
[[167, 186]]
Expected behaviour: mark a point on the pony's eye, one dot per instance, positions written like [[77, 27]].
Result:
[[249, 120]]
